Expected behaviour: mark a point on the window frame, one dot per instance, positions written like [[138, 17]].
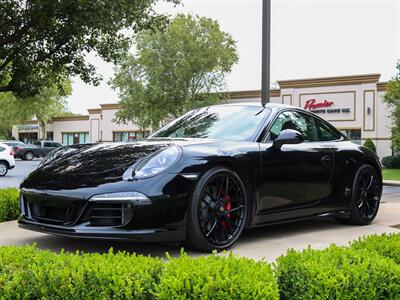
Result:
[[266, 132], [86, 135]]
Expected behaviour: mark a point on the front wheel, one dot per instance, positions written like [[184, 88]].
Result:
[[3, 168], [217, 212], [366, 195]]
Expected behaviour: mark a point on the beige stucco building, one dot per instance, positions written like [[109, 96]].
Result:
[[351, 103]]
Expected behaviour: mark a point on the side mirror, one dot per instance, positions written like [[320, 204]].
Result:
[[289, 137]]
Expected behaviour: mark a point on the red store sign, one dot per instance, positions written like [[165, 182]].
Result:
[[313, 104]]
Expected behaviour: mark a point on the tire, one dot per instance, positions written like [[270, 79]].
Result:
[[218, 211], [365, 199], [29, 155], [3, 168]]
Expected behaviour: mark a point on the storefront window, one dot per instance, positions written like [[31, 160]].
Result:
[[126, 136], [75, 138], [49, 135], [353, 134]]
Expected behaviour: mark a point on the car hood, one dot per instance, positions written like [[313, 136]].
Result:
[[90, 165]]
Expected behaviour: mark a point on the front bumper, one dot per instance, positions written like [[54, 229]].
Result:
[[107, 233]]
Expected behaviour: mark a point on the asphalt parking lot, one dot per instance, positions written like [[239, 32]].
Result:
[[16, 175]]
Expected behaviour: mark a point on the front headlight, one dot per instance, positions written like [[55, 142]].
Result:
[[158, 162], [134, 198]]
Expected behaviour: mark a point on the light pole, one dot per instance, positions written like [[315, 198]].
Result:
[[266, 51]]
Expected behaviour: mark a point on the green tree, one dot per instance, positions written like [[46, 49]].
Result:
[[8, 115], [182, 68], [392, 98], [370, 145], [50, 102], [42, 42]]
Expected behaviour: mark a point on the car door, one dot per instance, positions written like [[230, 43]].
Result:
[[47, 147], [295, 175]]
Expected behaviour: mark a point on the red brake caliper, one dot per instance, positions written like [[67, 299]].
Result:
[[228, 205]]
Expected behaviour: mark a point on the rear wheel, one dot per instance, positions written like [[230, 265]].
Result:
[[218, 211], [3, 168], [366, 195], [29, 156]]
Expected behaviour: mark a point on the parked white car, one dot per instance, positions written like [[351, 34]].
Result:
[[6, 159]]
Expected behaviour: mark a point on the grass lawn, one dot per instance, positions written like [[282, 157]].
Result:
[[391, 174]]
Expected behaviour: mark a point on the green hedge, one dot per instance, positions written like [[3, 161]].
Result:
[[215, 277], [337, 273], [387, 245], [29, 273], [9, 204], [391, 162]]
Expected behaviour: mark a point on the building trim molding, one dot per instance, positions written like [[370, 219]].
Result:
[[71, 118], [110, 106], [381, 86], [94, 111], [251, 94], [329, 81]]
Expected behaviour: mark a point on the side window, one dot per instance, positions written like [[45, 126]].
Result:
[[325, 132], [47, 144], [296, 121]]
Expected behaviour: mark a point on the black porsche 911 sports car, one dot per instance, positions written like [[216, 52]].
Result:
[[204, 178]]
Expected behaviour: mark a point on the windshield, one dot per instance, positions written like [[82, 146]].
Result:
[[231, 122]]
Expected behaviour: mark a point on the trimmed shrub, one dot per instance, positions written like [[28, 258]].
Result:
[[216, 277], [391, 162], [337, 273], [387, 245], [9, 204], [370, 145], [29, 273]]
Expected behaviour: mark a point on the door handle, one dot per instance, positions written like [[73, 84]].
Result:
[[327, 159]]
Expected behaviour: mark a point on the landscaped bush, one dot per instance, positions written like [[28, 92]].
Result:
[[391, 162], [29, 273], [9, 204], [337, 273], [216, 277], [370, 145], [387, 245], [365, 270]]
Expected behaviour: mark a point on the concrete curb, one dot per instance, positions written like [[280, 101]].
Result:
[[391, 183]]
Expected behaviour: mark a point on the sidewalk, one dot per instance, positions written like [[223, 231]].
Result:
[[391, 182]]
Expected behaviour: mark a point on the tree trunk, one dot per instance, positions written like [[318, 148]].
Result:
[[42, 130]]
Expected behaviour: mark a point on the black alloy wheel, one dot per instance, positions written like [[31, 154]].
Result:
[[366, 195], [218, 210]]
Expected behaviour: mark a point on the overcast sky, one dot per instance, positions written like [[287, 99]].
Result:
[[310, 38]]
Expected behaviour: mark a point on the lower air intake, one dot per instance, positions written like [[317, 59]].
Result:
[[110, 214]]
